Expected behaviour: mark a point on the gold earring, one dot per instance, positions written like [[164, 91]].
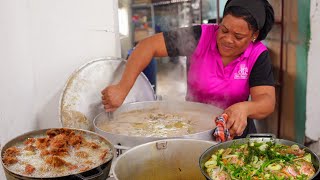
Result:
[[254, 39]]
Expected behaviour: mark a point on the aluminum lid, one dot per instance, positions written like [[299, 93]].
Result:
[[80, 101]]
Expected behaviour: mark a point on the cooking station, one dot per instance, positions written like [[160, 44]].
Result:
[[80, 107], [148, 139]]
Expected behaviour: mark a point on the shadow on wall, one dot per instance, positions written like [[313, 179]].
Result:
[[47, 116]]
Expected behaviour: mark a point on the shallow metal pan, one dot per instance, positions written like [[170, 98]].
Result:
[[253, 138]]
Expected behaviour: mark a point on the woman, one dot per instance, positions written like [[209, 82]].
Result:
[[227, 64]]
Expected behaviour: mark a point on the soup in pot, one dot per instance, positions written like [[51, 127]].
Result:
[[157, 123]]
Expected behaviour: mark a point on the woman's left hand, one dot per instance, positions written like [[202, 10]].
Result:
[[237, 118]]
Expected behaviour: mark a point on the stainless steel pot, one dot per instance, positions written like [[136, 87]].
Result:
[[125, 141], [100, 172], [170, 159], [253, 138]]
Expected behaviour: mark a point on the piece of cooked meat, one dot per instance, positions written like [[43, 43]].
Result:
[[104, 154], [84, 168], [29, 141], [72, 167], [12, 151], [30, 148], [59, 141], [44, 152], [54, 132], [59, 151], [92, 145], [56, 161], [9, 160], [9, 156], [29, 169], [42, 143], [88, 162], [75, 140], [82, 154]]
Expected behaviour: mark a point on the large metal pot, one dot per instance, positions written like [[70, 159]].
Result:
[[253, 138], [206, 124], [100, 172], [170, 159]]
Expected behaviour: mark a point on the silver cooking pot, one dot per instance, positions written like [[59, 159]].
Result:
[[100, 172], [206, 124], [171, 159], [253, 138]]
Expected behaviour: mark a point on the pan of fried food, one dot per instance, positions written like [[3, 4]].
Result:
[[60, 153], [259, 156]]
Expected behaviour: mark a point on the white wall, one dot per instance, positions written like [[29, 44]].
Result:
[[41, 43], [313, 83]]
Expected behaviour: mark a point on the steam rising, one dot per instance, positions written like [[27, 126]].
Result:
[[182, 38]]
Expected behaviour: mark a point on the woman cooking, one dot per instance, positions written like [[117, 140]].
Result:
[[227, 64]]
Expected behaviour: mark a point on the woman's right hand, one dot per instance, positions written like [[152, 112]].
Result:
[[153, 46], [113, 97]]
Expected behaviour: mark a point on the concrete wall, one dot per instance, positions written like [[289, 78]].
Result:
[[313, 83], [41, 43]]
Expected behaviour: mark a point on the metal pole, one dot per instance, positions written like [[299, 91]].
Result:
[[152, 18], [218, 11], [281, 70], [200, 11]]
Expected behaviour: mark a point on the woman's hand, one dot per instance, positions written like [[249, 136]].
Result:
[[113, 96], [237, 118]]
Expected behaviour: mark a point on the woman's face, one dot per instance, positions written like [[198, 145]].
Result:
[[234, 36]]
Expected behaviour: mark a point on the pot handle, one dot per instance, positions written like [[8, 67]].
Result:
[[100, 172], [121, 147], [264, 135]]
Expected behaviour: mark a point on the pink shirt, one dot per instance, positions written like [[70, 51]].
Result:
[[212, 83]]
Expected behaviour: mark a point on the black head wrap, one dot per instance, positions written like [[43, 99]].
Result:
[[254, 7]]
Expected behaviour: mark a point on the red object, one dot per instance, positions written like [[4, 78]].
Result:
[[221, 132]]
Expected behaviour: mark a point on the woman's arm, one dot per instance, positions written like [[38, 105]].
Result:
[[114, 95], [262, 102], [262, 97], [146, 49], [179, 42], [261, 105]]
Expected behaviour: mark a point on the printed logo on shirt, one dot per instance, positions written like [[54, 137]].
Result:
[[242, 72]]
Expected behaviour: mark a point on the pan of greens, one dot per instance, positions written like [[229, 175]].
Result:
[[259, 156]]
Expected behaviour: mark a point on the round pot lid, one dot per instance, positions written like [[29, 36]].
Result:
[[80, 101]]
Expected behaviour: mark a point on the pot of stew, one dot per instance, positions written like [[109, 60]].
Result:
[[259, 156]]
